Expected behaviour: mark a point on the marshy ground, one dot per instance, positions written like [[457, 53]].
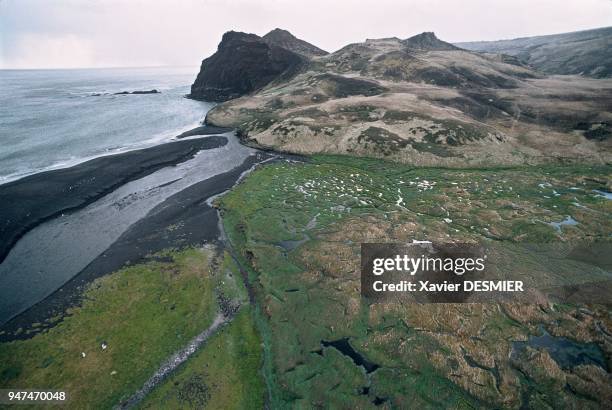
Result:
[[132, 321], [298, 228], [300, 334]]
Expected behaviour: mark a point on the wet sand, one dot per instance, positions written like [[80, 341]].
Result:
[[160, 207], [184, 219], [32, 200]]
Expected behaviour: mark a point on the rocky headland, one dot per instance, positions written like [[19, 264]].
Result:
[[419, 100], [242, 64]]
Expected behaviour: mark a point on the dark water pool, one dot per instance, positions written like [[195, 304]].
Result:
[[345, 348], [567, 353]]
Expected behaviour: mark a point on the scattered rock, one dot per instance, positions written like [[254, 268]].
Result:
[[154, 91]]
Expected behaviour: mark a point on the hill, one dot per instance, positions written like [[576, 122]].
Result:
[[425, 102], [285, 39], [588, 52]]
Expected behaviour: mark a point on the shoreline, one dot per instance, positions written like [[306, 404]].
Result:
[[77, 186], [194, 129], [183, 219]]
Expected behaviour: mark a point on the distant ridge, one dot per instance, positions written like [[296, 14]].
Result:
[[587, 52]]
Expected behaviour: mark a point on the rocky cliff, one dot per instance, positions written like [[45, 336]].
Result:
[[242, 64]]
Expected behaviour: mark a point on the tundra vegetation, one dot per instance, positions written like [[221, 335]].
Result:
[[297, 229], [436, 143], [130, 322]]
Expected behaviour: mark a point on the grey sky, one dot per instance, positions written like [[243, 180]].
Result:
[[107, 33]]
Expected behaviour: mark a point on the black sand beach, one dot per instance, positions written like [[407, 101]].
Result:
[[204, 130], [184, 219], [32, 200], [48, 201]]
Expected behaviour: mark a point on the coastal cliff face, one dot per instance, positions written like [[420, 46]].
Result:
[[242, 64]]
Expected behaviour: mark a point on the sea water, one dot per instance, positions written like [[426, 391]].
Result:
[[57, 118]]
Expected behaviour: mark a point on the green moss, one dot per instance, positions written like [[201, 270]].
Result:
[[224, 374], [144, 314], [393, 116], [360, 113], [311, 112], [302, 298], [229, 280], [433, 148]]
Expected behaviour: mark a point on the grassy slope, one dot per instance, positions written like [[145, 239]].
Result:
[[222, 375], [144, 313], [304, 298]]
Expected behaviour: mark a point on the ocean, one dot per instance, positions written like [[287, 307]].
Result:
[[53, 119], [57, 118]]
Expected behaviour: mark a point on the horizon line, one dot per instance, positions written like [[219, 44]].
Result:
[[197, 65], [96, 68]]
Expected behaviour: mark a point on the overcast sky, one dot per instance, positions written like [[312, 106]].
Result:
[[112, 33]]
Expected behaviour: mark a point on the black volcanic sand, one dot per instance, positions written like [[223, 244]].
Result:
[[28, 202], [183, 219], [204, 130]]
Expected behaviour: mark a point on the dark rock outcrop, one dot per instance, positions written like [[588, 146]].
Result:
[[286, 40], [242, 64], [138, 92], [428, 41]]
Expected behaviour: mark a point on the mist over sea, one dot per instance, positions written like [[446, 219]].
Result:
[[54, 118]]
